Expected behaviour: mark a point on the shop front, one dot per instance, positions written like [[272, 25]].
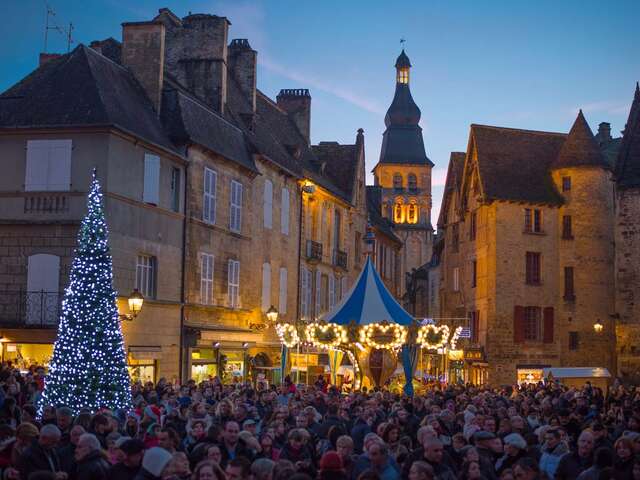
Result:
[[142, 362], [24, 355], [476, 367], [530, 374]]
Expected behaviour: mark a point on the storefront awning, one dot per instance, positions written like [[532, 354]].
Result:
[[145, 352], [576, 372]]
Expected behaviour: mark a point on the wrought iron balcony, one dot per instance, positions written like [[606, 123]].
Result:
[[46, 202], [314, 251], [340, 259], [30, 309]]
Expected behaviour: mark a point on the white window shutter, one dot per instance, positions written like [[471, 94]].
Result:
[[332, 291], [151, 187], [284, 212], [59, 173], [235, 222], [343, 287], [282, 300], [37, 166], [268, 204], [318, 293], [43, 282], [209, 196], [266, 286]]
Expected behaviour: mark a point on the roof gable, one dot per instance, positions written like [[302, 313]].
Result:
[[628, 165], [580, 149]]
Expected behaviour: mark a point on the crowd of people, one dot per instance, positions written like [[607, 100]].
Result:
[[211, 431]]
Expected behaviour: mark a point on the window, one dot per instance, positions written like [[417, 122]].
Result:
[[284, 212], [145, 275], [532, 323], [332, 291], [397, 181], [412, 182], [233, 283], [403, 75], [43, 289], [569, 293], [175, 189], [532, 270], [455, 238], [398, 211], [268, 204], [235, 217], [532, 220], [474, 273], [282, 298], [206, 279], [48, 165], [343, 287], [305, 293], [209, 196], [567, 232], [318, 305], [324, 293], [474, 326], [266, 286], [337, 229], [151, 187], [472, 226], [574, 340], [412, 212], [566, 184], [456, 279]]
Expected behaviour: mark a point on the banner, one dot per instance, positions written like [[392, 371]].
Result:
[[409, 364], [335, 359]]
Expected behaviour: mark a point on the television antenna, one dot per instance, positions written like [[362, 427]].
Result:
[[50, 24]]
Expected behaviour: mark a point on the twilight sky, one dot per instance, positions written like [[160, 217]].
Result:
[[507, 63]]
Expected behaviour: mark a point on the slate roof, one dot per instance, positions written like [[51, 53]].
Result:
[[340, 164], [452, 183], [374, 202], [514, 164], [580, 148], [82, 88], [628, 165], [403, 60]]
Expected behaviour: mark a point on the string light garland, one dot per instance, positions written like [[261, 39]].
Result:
[[338, 332], [427, 331], [88, 368], [368, 334], [454, 338], [286, 329]]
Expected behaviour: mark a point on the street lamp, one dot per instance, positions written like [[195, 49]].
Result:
[[135, 302], [598, 326], [272, 314]]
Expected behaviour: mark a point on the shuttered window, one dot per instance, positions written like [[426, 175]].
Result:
[[474, 326], [284, 212], [235, 214], [48, 166], [267, 204], [282, 300], [318, 294], [569, 293], [233, 283], [532, 324], [206, 279], [151, 187], [332, 291], [305, 293], [209, 196], [532, 220], [548, 326], [266, 286]]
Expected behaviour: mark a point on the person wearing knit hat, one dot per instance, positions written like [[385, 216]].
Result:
[[331, 467], [154, 463], [515, 448]]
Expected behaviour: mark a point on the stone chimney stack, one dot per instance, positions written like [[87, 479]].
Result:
[[297, 103], [45, 57], [242, 63], [604, 133], [143, 54], [196, 54]]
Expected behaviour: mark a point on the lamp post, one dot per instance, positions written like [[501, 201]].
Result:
[[135, 302], [272, 315], [598, 327]]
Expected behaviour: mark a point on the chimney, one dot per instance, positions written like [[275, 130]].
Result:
[[196, 54], [297, 103], [604, 133], [143, 55], [45, 57], [242, 63]]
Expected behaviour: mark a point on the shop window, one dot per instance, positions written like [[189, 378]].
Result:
[[532, 270], [204, 364], [24, 355], [142, 370]]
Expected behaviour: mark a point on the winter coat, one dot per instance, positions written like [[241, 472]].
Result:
[[93, 467], [37, 458], [120, 471], [572, 465], [550, 460]]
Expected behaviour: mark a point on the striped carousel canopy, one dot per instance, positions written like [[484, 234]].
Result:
[[368, 301]]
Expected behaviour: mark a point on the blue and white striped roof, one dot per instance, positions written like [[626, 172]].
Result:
[[368, 301]]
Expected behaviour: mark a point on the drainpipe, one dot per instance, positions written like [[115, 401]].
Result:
[[185, 224], [300, 250]]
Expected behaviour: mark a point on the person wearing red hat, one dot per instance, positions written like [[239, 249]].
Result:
[[331, 467]]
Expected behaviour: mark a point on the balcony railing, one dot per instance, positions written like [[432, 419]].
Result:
[[314, 251], [46, 203], [30, 309], [340, 259]]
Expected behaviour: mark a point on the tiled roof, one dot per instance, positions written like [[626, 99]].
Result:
[[628, 165], [82, 88], [580, 148], [514, 164], [452, 183]]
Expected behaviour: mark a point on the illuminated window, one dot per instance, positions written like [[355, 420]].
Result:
[[397, 181], [412, 212], [398, 211], [403, 75]]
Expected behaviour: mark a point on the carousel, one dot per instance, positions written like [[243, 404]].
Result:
[[373, 330]]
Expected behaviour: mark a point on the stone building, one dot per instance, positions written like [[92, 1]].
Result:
[[527, 221], [627, 238], [403, 176]]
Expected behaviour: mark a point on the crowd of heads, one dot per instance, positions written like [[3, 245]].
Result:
[[211, 431]]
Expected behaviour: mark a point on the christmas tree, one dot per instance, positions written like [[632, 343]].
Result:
[[88, 368]]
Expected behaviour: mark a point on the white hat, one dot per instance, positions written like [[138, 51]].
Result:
[[155, 459]]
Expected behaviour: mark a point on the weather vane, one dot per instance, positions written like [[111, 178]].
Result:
[[403, 41]]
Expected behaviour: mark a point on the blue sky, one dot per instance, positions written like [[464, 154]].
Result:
[[510, 63]]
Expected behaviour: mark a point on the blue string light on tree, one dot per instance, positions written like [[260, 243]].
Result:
[[88, 368]]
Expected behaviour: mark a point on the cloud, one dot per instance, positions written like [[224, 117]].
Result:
[[309, 80]]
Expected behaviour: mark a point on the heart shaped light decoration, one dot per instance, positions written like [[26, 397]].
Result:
[[288, 334], [433, 337], [337, 334], [370, 335]]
